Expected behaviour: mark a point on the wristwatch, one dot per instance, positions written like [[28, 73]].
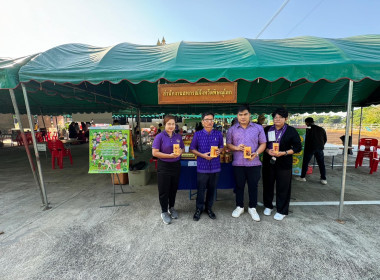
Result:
[[286, 153]]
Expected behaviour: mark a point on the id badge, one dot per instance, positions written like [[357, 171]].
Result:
[[271, 136]]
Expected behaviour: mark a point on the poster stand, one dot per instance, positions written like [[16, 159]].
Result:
[[109, 153], [114, 193]]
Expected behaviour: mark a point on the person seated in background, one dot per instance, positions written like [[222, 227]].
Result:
[[87, 133], [184, 128], [72, 131], [198, 126], [76, 126], [159, 128], [261, 119]]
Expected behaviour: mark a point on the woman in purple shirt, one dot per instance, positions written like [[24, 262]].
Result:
[[168, 167], [277, 165]]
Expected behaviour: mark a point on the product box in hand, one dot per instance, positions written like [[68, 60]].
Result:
[[276, 147], [213, 151], [247, 152], [176, 149]]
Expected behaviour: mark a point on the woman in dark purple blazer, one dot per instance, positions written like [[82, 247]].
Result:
[[168, 167]]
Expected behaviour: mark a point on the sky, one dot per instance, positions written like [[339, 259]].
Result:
[[32, 26]]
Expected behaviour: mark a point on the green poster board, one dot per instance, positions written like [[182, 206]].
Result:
[[298, 157], [109, 150]]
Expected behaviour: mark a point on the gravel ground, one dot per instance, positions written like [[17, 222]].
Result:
[[77, 239]]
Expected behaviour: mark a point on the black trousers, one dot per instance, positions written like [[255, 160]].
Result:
[[283, 178], [167, 180], [319, 156], [206, 181], [251, 175]]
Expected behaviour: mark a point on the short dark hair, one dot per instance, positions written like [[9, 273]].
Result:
[[309, 120], [281, 111], [243, 108], [207, 114]]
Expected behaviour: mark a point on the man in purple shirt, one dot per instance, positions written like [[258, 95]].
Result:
[[208, 167], [240, 135]]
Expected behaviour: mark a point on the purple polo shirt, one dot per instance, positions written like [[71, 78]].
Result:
[[202, 142], [164, 143], [252, 136], [278, 135]]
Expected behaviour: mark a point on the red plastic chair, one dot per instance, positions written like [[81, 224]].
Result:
[[155, 162], [29, 138], [375, 160], [39, 137], [58, 151], [54, 136], [367, 143], [19, 140]]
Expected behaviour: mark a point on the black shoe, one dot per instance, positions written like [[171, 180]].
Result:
[[197, 215], [211, 214]]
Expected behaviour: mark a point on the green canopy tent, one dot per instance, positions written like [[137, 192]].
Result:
[[9, 69], [303, 74]]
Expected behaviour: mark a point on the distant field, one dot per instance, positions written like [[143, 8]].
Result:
[[334, 134]]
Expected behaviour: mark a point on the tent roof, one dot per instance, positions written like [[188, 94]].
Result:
[[309, 58], [9, 69], [303, 73]]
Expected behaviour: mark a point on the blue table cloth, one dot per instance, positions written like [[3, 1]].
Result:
[[188, 178]]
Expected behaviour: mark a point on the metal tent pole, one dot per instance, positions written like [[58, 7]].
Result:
[[17, 112], [222, 124], [35, 148], [345, 153], [139, 123], [43, 120], [56, 123], [352, 125], [360, 125]]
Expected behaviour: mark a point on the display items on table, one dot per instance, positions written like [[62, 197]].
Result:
[[109, 150], [226, 155], [187, 138]]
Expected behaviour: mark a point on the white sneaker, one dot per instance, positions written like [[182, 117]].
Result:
[[268, 211], [237, 212], [278, 217], [324, 182], [300, 179], [254, 215]]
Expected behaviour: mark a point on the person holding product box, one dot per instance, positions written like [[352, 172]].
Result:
[[168, 147], [247, 141], [283, 142], [207, 144]]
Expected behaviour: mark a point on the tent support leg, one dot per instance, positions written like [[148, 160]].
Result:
[[352, 125], [43, 120], [46, 205], [17, 112], [345, 153], [360, 125], [139, 124]]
